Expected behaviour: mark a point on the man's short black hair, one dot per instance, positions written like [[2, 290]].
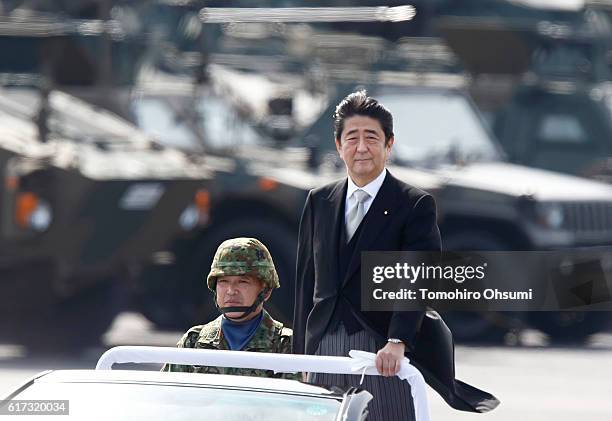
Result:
[[359, 103]]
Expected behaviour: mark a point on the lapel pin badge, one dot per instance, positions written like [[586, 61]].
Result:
[[386, 212]]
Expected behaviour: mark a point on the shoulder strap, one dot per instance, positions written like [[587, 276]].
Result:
[[285, 338], [278, 333]]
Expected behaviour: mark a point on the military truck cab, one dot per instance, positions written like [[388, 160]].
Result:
[[541, 76], [562, 127]]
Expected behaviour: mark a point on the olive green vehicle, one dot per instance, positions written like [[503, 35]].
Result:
[[569, 132], [542, 77], [81, 214], [86, 198]]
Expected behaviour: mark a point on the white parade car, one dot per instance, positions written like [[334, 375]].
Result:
[[106, 394]]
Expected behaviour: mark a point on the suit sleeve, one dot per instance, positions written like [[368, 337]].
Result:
[[304, 278], [421, 233]]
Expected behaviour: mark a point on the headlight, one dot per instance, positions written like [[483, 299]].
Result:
[[32, 212], [196, 213], [189, 218], [550, 215]]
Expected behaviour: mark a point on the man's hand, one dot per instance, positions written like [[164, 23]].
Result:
[[389, 358]]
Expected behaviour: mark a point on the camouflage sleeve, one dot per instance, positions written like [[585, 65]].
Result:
[[285, 348], [187, 341]]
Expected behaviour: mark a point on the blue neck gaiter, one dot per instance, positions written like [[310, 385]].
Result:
[[238, 334]]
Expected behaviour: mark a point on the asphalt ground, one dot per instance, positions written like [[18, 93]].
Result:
[[533, 380]]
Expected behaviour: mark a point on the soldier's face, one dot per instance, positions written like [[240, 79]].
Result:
[[362, 148], [239, 291]]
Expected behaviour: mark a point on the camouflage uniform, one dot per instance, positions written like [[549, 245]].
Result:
[[270, 336], [239, 256]]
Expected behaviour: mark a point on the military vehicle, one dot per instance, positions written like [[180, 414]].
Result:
[[446, 148], [542, 78], [81, 214], [86, 198], [560, 127]]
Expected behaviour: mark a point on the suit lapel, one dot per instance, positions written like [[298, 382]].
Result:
[[337, 198], [374, 222]]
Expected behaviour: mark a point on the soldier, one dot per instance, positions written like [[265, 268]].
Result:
[[242, 277]]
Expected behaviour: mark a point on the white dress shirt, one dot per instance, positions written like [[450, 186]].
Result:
[[371, 188]]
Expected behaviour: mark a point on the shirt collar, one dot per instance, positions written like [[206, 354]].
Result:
[[371, 188]]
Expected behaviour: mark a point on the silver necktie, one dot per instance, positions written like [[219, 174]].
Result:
[[356, 214]]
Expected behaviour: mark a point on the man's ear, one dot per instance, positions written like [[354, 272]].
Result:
[[390, 142], [338, 145], [267, 296]]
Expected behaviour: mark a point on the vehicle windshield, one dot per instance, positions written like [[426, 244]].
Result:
[[434, 127], [177, 122], [167, 402]]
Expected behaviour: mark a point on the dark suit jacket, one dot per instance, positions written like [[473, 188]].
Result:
[[408, 224]]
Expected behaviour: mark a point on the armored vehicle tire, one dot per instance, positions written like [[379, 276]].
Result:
[[75, 323], [468, 326], [187, 301], [570, 326]]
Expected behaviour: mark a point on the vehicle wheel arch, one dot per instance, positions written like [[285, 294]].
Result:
[[478, 234]]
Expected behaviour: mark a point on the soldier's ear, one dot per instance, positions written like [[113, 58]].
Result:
[[268, 294]]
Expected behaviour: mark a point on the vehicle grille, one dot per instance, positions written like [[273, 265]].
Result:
[[588, 218]]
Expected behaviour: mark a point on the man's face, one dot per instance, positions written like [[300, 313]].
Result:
[[362, 148], [239, 291]]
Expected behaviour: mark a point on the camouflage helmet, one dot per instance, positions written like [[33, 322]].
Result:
[[243, 256]]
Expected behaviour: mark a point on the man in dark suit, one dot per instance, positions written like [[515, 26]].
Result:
[[369, 210]]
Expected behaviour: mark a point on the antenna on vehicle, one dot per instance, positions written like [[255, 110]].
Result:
[[306, 14]]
